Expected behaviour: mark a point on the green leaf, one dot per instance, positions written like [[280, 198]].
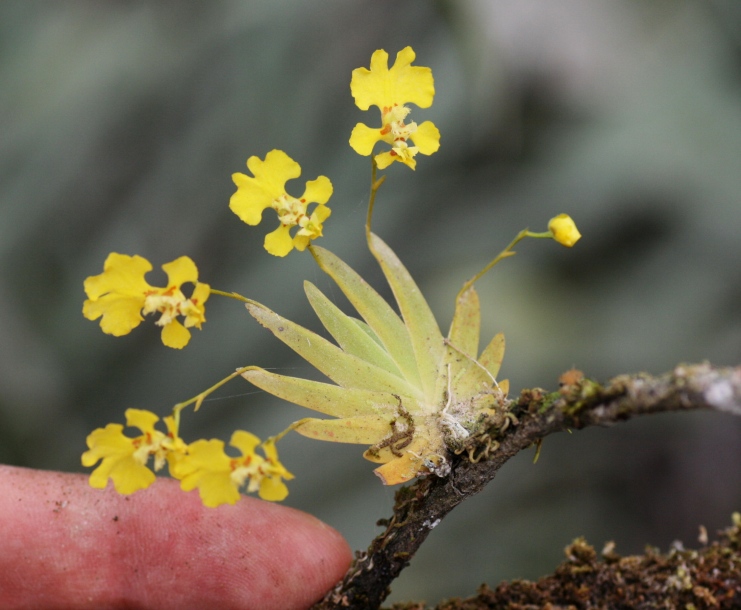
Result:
[[348, 333], [379, 315], [364, 429], [493, 355], [425, 335], [469, 378], [466, 326], [330, 399], [367, 330], [400, 384], [344, 369]]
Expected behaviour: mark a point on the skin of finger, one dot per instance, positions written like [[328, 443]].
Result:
[[66, 545]]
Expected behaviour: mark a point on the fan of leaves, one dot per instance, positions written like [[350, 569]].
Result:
[[401, 387]]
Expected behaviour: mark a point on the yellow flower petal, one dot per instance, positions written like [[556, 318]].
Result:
[[403, 154], [272, 487], [249, 201], [318, 191], [320, 214], [105, 441], [385, 159], [402, 84], [246, 442], [172, 448], [273, 490], [564, 230], [273, 173], [122, 274], [117, 295], [175, 335], [271, 454], [254, 194], [301, 242], [180, 271], [364, 138], [123, 459], [279, 242], [313, 228], [208, 468], [194, 309], [129, 476], [142, 419], [120, 314], [426, 138]]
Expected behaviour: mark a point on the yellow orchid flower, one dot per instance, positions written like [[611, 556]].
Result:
[[272, 486], [124, 459], [267, 190], [219, 477], [390, 90], [564, 230], [120, 295]]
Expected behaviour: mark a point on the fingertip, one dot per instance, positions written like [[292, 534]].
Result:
[[279, 557], [158, 548]]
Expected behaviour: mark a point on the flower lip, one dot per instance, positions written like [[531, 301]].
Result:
[[399, 85]]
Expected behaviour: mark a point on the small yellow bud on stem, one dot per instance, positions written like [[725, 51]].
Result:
[[564, 230]]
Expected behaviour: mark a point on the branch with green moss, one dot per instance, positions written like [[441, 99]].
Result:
[[579, 403]]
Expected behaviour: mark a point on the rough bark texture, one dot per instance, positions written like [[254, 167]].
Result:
[[579, 403], [707, 578]]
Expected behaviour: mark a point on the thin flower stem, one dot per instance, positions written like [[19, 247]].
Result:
[[375, 185], [199, 398], [506, 253], [293, 426], [231, 295]]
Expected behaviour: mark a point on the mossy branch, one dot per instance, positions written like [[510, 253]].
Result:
[[579, 403], [709, 577]]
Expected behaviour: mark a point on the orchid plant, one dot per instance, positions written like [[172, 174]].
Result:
[[409, 393]]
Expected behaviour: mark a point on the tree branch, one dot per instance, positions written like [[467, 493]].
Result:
[[709, 577], [579, 403]]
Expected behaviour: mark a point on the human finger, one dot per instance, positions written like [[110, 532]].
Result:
[[66, 545]]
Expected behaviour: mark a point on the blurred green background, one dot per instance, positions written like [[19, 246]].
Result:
[[122, 122]]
